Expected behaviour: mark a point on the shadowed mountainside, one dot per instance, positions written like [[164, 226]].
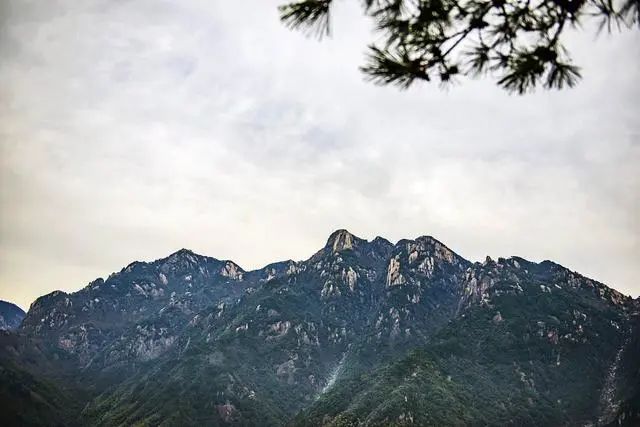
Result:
[[10, 316]]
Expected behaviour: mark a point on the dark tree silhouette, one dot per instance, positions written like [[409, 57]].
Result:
[[518, 41]]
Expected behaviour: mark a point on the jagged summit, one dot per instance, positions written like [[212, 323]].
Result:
[[184, 253], [342, 239], [187, 257]]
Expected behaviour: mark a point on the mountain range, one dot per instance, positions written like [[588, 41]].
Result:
[[361, 333]]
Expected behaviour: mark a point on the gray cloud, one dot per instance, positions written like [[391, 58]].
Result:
[[130, 129]]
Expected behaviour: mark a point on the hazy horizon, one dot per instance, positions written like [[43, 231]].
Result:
[[129, 130]]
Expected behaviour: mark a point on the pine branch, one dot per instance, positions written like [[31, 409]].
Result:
[[309, 15], [518, 41]]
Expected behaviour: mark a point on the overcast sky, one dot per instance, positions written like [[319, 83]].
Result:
[[132, 128]]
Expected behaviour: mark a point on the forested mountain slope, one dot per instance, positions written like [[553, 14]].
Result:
[[361, 333]]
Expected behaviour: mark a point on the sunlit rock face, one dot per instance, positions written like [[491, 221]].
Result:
[[406, 332], [342, 240]]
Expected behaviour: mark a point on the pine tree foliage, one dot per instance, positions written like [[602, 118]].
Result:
[[516, 41]]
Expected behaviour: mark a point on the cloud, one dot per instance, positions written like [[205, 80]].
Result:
[[130, 129]]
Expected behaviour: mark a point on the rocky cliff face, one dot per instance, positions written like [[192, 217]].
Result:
[[190, 339]]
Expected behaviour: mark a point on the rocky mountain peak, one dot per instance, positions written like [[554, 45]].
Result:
[[47, 299], [10, 315], [381, 241], [183, 253], [182, 260], [341, 240], [232, 270]]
